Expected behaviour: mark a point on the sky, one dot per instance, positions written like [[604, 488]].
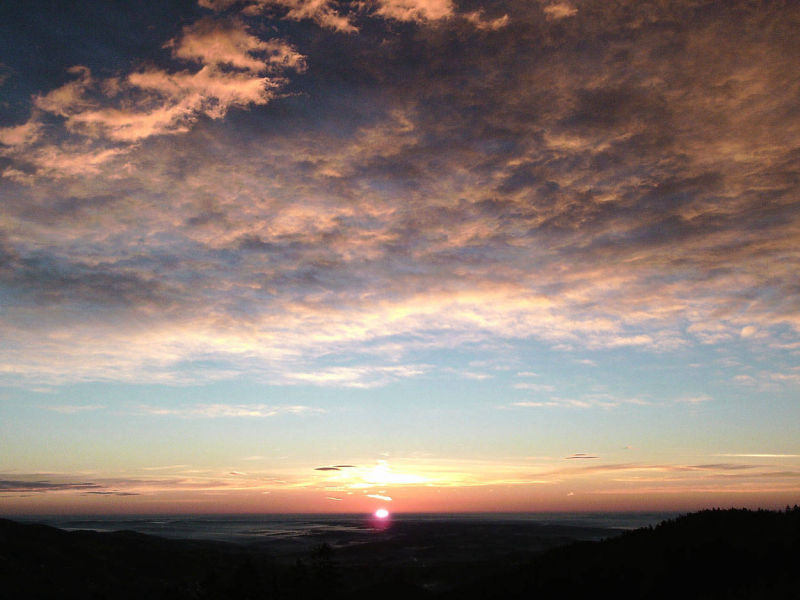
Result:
[[274, 256]]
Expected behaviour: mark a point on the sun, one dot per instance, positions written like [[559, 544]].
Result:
[[382, 513]]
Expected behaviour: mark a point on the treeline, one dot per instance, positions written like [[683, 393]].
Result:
[[719, 554]]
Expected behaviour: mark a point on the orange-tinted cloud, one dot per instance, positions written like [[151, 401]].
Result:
[[108, 116], [633, 189], [415, 10]]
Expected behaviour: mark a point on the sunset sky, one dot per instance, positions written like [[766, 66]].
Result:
[[430, 255]]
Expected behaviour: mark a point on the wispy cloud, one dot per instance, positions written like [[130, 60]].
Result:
[[415, 10], [356, 377], [71, 409], [405, 477], [14, 485], [762, 455], [696, 399], [606, 401], [379, 497], [105, 118], [341, 18], [559, 10], [534, 387], [165, 468], [212, 411], [322, 12]]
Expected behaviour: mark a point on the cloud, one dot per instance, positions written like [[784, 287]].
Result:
[[324, 13], [335, 468], [105, 118], [220, 44], [213, 411], [20, 135], [164, 468], [615, 179], [697, 399], [340, 18], [236, 72], [478, 20], [356, 377], [763, 455], [535, 387], [71, 409], [539, 404], [793, 378], [679, 471], [415, 10], [467, 374], [580, 455], [379, 497], [605, 401], [559, 10], [748, 331], [12, 485], [719, 467], [5, 73], [320, 11], [383, 481]]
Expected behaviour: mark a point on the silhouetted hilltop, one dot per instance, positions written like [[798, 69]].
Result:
[[710, 554], [37, 561]]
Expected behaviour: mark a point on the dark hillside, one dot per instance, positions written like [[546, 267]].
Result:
[[37, 561], [710, 554]]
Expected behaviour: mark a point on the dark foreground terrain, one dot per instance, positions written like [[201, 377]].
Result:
[[710, 554]]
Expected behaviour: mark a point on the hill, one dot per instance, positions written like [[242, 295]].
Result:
[[709, 554]]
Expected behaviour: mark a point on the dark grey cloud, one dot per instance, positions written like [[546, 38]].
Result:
[[45, 278], [722, 467], [14, 485], [335, 468]]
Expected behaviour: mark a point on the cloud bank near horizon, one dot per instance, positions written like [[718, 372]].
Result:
[[544, 482]]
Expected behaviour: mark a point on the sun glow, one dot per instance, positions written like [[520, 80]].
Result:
[[382, 474], [382, 513]]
